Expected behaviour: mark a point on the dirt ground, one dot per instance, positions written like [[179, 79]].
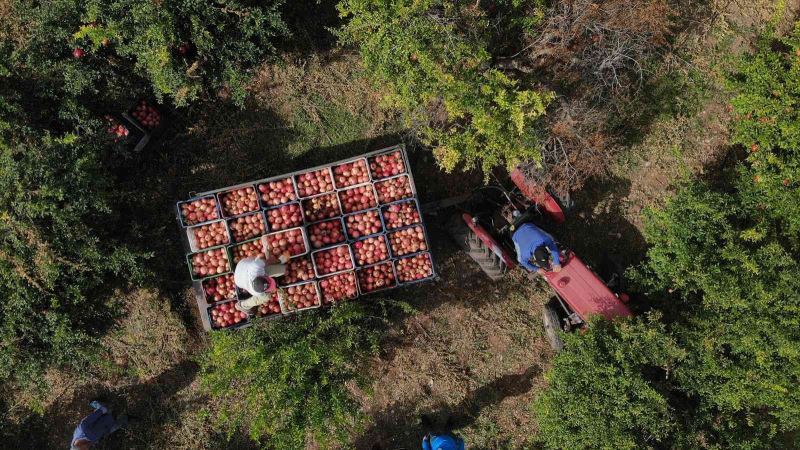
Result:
[[473, 354]]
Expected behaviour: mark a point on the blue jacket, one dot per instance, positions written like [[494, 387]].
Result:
[[442, 442], [94, 426], [527, 238]]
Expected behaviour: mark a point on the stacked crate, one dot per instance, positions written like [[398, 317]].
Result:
[[352, 228]]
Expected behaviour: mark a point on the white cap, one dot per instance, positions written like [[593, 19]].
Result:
[[248, 273]]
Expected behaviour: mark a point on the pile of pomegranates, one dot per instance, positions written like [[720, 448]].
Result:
[[211, 235], [146, 115], [376, 277], [199, 211], [286, 216], [315, 182], [363, 224], [291, 241], [414, 268], [370, 250], [278, 192], [400, 215], [247, 227], [329, 232], [321, 207], [338, 287], [297, 270], [394, 189], [350, 174], [271, 307], [409, 240], [301, 296], [211, 262], [332, 260], [246, 250], [226, 314], [239, 201], [358, 199], [219, 288], [387, 165]]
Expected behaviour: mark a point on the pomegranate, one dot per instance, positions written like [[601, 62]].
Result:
[[400, 215], [338, 287], [315, 182], [376, 277], [199, 211], [278, 192], [363, 224], [332, 260]]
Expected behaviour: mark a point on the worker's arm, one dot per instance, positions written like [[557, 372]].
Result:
[[551, 245], [523, 260], [252, 302]]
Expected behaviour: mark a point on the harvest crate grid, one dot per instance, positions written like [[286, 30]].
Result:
[[206, 305]]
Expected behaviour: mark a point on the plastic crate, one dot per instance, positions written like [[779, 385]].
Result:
[[340, 222], [300, 211], [298, 183], [328, 278], [388, 151], [341, 193], [240, 244], [391, 180], [347, 231], [257, 315], [366, 268], [307, 200], [200, 278], [180, 214], [264, 203], [221, 195], [191, 235], [279, 280], [405, 283], [285, 301], [243, 323], [341, 186], [230, 221], [302, 232], [314, 260], [354, 252], [400, 202], [203, 285], [424, 235]]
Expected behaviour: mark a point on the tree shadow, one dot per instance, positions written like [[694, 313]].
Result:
[[401, 425]]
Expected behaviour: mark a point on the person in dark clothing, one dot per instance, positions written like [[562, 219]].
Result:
[[95, 426]]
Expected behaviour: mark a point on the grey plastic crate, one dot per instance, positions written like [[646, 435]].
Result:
[[302, 215], [307, 199], [335, 219], [314, 260], [264, 204], [353, 239], [421, 280], [362, 269], [233, 219], [398, 148], [232, 246], [192, 238], [340, 193], [389, 180], [285, 302], [328, 277], [296, 175], [180, 214], [376, 236], [342, 187], [400, 202], [302, 232], [242, 324], [424, 235], [222, 194], [278, 280], [205, 296], [191, 267]]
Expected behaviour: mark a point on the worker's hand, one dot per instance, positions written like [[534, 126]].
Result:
[[284, 258], [557, 268], [264, 244]]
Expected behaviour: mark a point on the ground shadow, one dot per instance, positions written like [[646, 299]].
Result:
[[403, 426]]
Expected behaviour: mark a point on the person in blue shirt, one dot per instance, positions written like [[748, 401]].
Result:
[[442, 442], [535, 248], [94, 426]]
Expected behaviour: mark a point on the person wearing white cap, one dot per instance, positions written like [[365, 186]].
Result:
[[256, 275]]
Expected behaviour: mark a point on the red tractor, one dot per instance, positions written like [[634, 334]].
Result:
[[484, 228]]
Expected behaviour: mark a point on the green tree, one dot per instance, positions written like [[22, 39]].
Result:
[[609, 388], [287, 380], [181, 48], [434, 59]]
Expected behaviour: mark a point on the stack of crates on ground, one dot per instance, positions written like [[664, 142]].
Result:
[[351, 228]]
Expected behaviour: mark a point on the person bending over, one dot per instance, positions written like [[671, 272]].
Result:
[[256, 275], [536, 249]]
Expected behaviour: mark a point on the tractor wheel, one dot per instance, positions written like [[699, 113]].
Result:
[[552, 324], [491, 264]]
